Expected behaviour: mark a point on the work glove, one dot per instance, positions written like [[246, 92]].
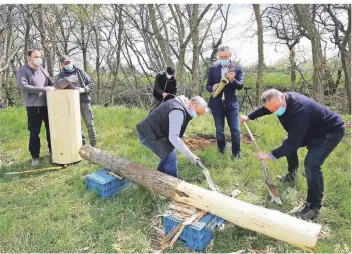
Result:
[[72, 78], [81, 89], [194, 159]]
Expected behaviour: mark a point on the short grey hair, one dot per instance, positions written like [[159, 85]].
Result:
[[270, 94], [200, 103], [224, 48]]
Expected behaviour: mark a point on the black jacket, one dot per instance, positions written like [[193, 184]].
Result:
[[164, 85], [155, 127], [304, 120]]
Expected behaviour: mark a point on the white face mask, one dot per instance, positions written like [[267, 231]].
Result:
[[168, 76], [37, 62]]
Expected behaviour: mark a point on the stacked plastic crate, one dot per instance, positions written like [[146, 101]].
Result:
[[104, 183], [196, 236]]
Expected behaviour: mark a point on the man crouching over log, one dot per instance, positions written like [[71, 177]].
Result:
[[162, 130]]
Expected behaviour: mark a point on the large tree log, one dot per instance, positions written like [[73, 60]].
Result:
[[272, 223]]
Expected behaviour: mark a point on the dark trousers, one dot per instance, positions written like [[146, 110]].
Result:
[[167, 165], [88, 117], [36, 115], [292, 161], [318, 151], [234, 125]]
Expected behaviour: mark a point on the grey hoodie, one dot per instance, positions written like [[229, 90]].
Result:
[[175, 122], [31, 83]]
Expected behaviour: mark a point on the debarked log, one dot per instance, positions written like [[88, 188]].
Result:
[[269, 222]]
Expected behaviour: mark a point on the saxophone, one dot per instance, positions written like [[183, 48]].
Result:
[[223, 83]]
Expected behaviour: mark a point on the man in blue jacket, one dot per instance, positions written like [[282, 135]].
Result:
[[226, 103], [308, 124]]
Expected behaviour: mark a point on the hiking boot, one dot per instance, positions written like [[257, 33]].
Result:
[[308, 212], [35, 162], [289, 177]]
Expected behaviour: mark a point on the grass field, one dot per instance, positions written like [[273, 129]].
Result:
[[54, 212]]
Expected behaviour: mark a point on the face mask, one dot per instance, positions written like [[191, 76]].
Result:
[[280, 111], [224, 62], [193, 114], [68, 67], [168, 76], [37, 62]]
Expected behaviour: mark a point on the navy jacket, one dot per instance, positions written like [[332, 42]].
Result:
[[304, 120], [231, 100]]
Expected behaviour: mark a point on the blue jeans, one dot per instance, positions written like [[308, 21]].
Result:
[[167, 165], [234, 124], [318, 151]]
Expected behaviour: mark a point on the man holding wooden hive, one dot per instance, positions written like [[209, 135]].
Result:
[[34, 81], [223, 81], [72, 77]]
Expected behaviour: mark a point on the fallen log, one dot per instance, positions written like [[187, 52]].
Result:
[[271, 223]]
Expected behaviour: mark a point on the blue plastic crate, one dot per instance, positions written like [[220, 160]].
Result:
[[195, 236], [106, 184]]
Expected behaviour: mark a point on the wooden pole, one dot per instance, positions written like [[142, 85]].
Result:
[[271, 223]]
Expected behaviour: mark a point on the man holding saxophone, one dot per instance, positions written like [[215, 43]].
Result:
[[223, 81]]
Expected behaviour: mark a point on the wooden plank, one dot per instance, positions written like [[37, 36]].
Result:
[[65, 125], [272, 223]]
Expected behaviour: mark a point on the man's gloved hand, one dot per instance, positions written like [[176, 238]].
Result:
[[72, 78], [194, 159], [81, 89]]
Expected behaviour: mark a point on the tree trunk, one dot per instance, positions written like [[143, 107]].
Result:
[[118, 54], [84, 48], [27, 33], [303, 17], [346, 65], [272, 223], [195, 60], [164, 46], [47, 51], [97, 61], [259, 83], [180, 77], [293, 68]]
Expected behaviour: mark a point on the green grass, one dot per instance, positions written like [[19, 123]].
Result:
[[54, 212]]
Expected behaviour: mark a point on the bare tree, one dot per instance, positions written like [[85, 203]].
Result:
[[9, 46], [341, 37], [259, 82], [179, 19], [162, 42], [218, 41], [307, 24], [281, 19], [119, 47]]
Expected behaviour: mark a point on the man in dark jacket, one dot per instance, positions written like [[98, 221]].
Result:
[[162, 130], [308, 124], [71, 77], [33, 82], [226, 103], [165, 84]]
